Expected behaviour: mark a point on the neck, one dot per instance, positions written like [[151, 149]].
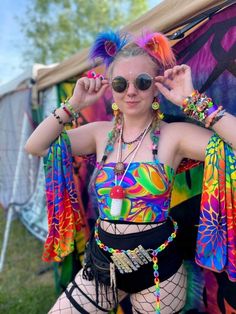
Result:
[[134, 124]]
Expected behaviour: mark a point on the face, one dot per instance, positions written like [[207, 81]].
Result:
[[133, 100]]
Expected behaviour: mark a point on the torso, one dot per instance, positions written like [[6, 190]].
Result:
[[167, 155]]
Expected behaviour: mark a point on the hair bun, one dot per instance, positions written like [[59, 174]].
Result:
[[158, 46], [107, 45]]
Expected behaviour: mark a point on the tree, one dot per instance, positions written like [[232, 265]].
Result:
[[56, 29]]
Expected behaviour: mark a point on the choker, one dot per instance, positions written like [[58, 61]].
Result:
[[134, 141]]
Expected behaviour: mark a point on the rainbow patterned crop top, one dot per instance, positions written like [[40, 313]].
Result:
[[147, 187]]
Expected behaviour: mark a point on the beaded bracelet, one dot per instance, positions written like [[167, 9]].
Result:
[[67, 111], [70, 109], [218, 114], [59, 119], [200, 107]]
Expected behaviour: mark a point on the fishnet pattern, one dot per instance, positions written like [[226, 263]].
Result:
[[172, 295], [126, 228], [64, 306]]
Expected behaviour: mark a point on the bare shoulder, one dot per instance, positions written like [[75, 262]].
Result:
[[190, 139], [86, 138], [182, 129], [102, 126]]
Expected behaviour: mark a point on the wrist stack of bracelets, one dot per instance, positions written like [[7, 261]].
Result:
[[200, 107], [69, 110]]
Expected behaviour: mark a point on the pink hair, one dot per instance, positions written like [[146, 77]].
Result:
[[158, 46]]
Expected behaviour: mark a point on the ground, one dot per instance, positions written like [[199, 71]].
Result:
[[23, 290]]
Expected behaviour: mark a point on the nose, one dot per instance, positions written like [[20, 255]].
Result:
[[131, 89]]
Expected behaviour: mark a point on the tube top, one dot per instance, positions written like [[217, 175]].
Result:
[[147, 188]]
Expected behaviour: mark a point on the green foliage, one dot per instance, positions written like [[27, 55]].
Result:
[[56, 29]]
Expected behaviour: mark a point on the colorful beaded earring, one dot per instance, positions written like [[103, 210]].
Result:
[[155, 104], [115, 109], [156, 109]]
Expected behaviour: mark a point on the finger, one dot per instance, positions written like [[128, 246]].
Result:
[[102, 90], [167, 82], [85, 83], [168, 73], [98, 84], [91, 85], [104, 81], [163, 89], [185, 67], [160, 79], [177, 70]]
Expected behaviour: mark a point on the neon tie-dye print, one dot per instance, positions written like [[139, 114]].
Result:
[[147, 188], [216, 243], [64, 220]]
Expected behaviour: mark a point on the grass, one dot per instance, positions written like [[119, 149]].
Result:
[[22, 289]]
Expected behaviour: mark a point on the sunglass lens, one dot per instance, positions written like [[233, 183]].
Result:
[[143, 81], [119, 84]]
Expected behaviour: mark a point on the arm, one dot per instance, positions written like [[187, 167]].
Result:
[[87, 91], [176, 85]]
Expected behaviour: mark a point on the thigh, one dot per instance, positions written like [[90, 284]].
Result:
[[83, 298], [172, 295]]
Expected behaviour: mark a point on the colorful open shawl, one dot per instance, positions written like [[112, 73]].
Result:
[[216, 243], [64, 219]]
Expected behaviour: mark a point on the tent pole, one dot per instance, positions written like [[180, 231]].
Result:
[[6, 236], [14, 191]]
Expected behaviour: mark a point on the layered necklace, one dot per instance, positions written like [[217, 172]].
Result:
[[120, 167], [117, 193], [137, 139]]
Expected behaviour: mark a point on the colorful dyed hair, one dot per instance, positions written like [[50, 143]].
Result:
[[107, 45], [158, 46]]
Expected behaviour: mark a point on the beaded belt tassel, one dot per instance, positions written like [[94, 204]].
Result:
[[127, 261]]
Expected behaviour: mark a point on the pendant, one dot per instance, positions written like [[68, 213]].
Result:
[[119, 168], [117, 195], [130, 146]]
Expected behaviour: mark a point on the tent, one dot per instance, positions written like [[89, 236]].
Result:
[[166, 17]]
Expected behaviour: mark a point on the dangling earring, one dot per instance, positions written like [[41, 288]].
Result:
[[115, 109], [155, 104], [156, 109]]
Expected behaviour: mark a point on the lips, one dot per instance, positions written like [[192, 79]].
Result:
[[132, 102]]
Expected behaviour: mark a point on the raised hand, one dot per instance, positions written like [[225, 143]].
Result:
[[176, 83], [87, 91]]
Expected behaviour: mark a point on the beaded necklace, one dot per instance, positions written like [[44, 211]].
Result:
[[131, 142], [129, 254], [119, 167], [117, 193]]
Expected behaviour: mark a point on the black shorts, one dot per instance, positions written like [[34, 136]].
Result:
[[169, 260]]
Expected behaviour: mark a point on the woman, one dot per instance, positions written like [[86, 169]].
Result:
[[137, 157]]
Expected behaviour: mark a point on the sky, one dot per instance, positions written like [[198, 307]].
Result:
[[12, 41]]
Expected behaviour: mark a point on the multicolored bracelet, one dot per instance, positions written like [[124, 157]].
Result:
[[70, 110], [67, 111], [200, 107], [218, 114]]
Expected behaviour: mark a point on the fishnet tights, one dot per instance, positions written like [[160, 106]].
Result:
[[64, 306], [173, 293]]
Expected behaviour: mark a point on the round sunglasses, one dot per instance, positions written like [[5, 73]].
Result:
[[142, 82]]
